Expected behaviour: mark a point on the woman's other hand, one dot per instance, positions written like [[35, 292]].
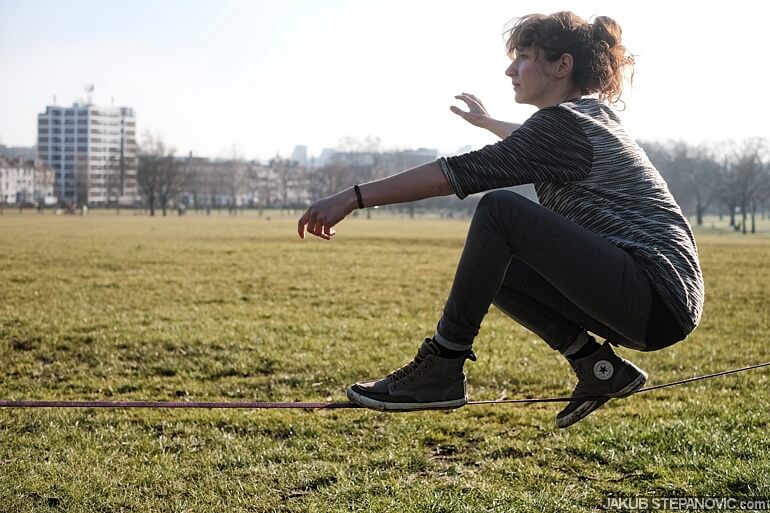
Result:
[[476, 115], [322, 215]]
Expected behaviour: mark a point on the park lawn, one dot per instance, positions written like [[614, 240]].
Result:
[[226, 308]]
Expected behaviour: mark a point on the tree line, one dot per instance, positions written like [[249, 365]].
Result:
[[729, 179]]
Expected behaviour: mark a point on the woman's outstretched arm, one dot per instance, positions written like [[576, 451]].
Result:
[[425, 181]]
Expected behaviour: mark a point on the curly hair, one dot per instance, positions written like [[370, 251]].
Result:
[[598, 55]]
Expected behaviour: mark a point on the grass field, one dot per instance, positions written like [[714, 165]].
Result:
[[216, 308]]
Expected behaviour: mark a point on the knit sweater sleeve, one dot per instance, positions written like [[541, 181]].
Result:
[[550, 146]]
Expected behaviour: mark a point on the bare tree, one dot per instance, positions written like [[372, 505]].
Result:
[[234, 177], [333, 178], [148, 178], [159, 176], [114, 182], [744, 179], [254, 173], [699, 174], [171, 181]]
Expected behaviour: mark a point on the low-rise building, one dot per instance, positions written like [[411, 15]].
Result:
[[26, 182]]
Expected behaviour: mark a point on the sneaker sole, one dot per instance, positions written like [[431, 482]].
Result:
[[374, 404], [587, 407]]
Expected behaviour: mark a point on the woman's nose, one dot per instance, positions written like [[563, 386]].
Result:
[[511, 70]]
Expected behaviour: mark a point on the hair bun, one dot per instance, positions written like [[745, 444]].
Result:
[[607, 30]]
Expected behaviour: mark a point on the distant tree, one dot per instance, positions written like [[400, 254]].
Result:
[[699, 174], [114, 182], [744, 179], [192, 179], [160, 176], [335, 177], [148, 178], [172, 179], [287, 174], [235, 179], [255, 182]]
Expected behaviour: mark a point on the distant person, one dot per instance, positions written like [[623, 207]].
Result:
[[607, 251]]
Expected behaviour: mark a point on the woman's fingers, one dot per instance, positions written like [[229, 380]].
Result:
[[468, 98], [468, 101], [311, 222], [302, 224], [321, 217]]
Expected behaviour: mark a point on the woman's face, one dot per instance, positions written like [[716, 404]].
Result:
[[530, 75]]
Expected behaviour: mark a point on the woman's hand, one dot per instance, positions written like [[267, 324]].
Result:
[[476, 115], [321, 217]]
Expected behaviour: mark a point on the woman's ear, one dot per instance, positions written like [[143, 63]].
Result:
[[564, 65]]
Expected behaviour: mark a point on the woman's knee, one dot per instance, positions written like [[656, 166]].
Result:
[[497, 197], [499, 204]]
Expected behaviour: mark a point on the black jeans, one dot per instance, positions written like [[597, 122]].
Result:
[[554, 277]]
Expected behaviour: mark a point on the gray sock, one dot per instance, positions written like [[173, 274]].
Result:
[[450, 349], [581, 340]]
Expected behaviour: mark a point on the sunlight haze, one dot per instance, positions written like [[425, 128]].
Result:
[[257, 78]]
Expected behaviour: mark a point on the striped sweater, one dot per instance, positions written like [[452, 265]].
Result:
[[587, 169]]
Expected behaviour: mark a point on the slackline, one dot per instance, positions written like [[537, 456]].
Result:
[[329, 405]]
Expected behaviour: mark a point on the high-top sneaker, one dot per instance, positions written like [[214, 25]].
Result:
[[428, 382], [602, 373]]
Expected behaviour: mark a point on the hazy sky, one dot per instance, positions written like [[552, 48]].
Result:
[[260, 76]]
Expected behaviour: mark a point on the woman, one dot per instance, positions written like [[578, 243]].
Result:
[[607, 251]]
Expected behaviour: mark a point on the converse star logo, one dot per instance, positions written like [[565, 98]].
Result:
[[603, 370]]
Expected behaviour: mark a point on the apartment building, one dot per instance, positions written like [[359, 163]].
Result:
[[92, 151]]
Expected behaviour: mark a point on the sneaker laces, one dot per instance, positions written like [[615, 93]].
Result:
[[406, 369], [580, 373], [418, 359]]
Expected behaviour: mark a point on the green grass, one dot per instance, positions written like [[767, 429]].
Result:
[[217, 308]]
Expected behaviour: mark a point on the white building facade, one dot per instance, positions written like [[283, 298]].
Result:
[[92, 151], [25, 182]]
